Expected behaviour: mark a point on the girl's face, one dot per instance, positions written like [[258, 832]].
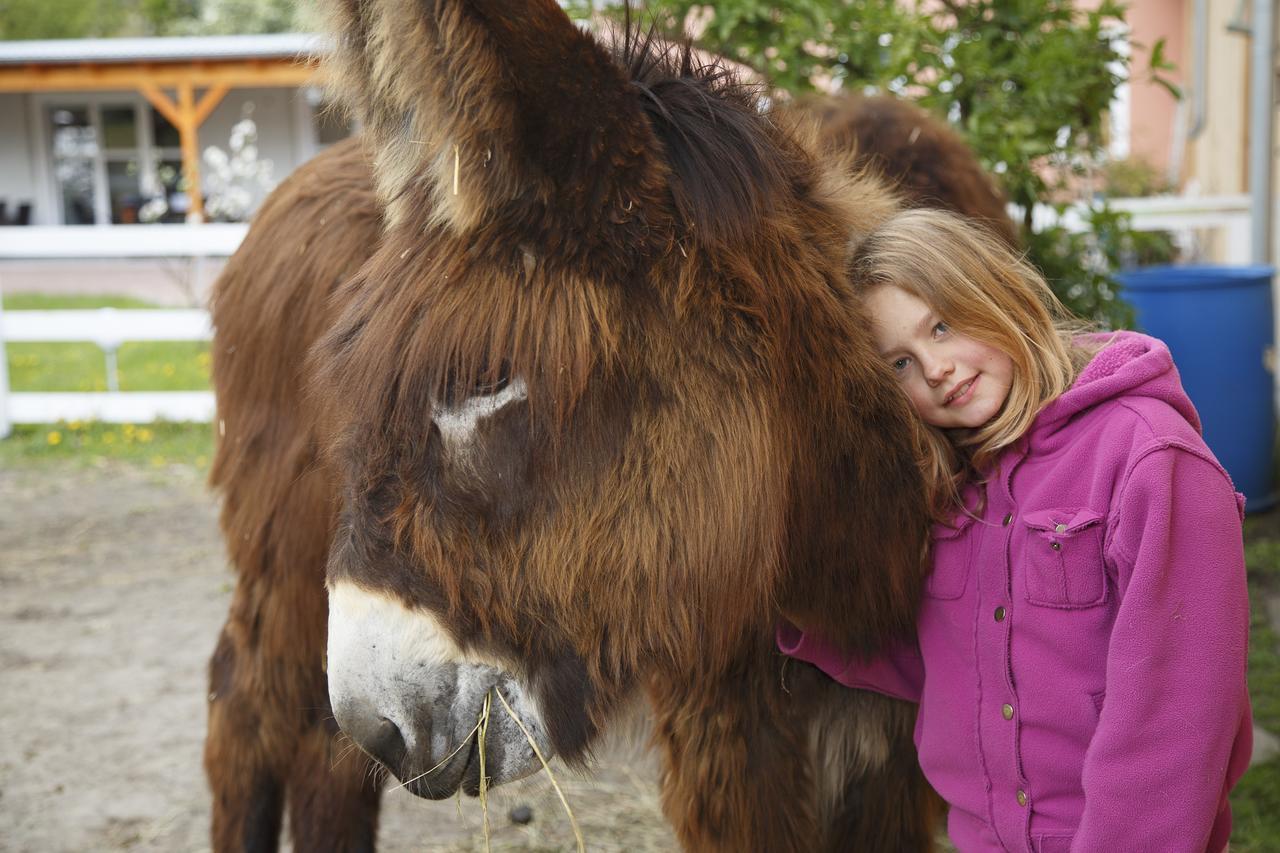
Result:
[[952, 380]]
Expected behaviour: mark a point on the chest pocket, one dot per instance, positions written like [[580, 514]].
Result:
[[1063, 555], [951, 551]]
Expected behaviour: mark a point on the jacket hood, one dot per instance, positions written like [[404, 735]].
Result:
[[1128, 365]]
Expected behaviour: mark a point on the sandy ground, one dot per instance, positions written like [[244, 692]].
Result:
[[113, 586]]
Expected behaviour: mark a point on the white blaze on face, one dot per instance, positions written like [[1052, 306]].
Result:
[[457, 424]]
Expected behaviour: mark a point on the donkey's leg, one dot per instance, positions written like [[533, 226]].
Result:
[[736, 775], [871, 794], [244, 750], [334, 792], [271, 734]]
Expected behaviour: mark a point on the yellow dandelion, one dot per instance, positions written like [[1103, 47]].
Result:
[[109, 438], [145, 435], [168, 370], [75, 425], [54, 438]]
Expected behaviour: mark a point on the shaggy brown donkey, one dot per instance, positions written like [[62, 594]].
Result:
[[588, 409], [924, 159]]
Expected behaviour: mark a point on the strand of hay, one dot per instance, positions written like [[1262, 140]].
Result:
[[573, 821], [484, 779]]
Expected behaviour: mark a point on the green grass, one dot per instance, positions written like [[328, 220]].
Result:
[[54, 302], [91, 443], [1256, 800], [141, 366]]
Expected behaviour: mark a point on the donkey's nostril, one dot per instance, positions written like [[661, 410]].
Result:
[[377, 736], [387, 744]]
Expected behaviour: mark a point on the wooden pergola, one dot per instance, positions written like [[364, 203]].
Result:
[[185, 89]]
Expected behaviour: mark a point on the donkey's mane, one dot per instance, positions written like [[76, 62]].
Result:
[[727, 158]]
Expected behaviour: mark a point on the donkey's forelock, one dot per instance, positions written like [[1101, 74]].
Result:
[[436, 320]]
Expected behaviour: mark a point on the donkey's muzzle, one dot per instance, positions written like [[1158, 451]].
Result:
[[436, 717]]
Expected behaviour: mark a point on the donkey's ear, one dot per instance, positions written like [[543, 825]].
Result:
[[478, 109]]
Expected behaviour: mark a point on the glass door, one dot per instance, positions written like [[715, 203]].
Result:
[[122, 159], [75, 163]]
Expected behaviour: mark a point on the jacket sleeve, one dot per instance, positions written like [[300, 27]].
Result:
[[1165, 753], [898, 672]]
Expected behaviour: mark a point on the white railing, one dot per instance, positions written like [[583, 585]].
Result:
[[108, 327], [73, 242], [1182, 215]]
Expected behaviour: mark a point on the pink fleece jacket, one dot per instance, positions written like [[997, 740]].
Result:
[[1081, 652]]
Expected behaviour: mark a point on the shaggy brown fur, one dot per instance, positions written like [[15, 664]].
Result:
[[925, 159], [270, 730], [708, 441]]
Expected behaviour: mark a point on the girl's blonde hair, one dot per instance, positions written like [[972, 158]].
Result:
[[982, 289]]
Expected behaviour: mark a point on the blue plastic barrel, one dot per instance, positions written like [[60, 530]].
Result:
[[1218, 324]]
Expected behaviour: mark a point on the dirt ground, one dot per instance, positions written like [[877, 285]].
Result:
[[113, 586]]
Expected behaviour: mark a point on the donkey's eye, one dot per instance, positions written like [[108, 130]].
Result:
[[489, 387], [487, 383]]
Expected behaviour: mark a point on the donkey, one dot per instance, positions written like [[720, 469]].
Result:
[[922, 157], [569, 405]]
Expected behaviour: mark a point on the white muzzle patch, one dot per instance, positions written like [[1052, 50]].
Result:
[[390, 662]]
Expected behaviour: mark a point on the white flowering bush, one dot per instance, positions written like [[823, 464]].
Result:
[[236, 179]]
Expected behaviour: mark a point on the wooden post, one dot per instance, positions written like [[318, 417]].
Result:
[[187, 115], [190, 140]]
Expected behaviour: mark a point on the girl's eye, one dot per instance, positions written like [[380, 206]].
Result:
[[901, 364], [940, 329]]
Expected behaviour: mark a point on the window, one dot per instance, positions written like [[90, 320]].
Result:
[[110, 157]]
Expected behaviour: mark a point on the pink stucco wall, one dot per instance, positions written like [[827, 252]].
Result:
[[1152, 109]]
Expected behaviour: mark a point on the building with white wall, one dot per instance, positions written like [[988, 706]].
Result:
[[91, 130]]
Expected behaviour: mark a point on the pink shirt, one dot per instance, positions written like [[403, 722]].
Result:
[[1082, 645]]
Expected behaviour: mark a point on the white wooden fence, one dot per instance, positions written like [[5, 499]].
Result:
[[1182, 215], [108, 327]]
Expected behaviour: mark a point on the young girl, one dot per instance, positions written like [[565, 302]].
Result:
[[1081, 649]]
